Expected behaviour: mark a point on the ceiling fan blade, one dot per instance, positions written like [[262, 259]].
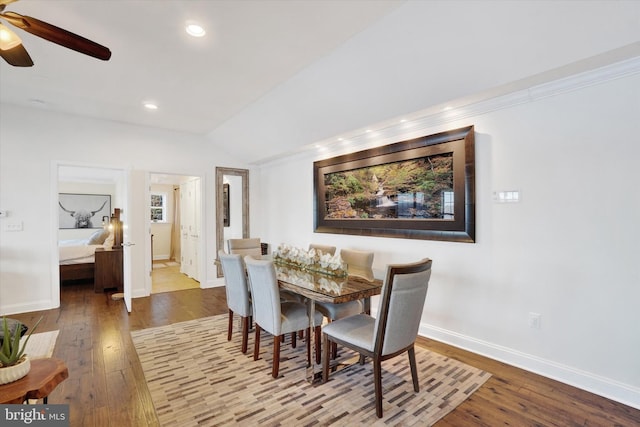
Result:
[[57, 35], [17, 56], [6, 2]]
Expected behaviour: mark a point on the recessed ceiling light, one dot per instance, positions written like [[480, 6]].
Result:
[[150, 106], [195, 30]]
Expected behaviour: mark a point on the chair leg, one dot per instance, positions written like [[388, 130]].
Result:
[[317, 337], [308, 333], [414, 369], [230, 327], [377, 380], [293, 339], [245, 334], [256, 343], [276, 357], [326, 345], [334, 347]]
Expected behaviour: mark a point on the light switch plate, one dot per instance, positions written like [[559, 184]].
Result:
[[510, 196], [13, 226]]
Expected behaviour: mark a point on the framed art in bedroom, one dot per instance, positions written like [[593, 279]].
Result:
[[83, 210], [421, 188]]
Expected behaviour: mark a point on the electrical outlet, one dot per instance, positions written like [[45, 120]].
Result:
[[534, 320]]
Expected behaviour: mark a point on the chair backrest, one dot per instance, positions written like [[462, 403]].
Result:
[[401, 304], [325, 249], [245, 247], [236, 283], [359, 263], [265, 294]]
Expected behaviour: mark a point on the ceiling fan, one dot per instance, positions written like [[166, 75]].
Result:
[[14, 53]]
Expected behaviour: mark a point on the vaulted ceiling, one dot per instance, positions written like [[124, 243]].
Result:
[[271, 76]]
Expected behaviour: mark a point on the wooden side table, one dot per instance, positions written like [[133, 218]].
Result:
[[44, 376], [108, 273]]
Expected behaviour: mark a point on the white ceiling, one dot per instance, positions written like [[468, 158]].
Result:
[[250, 48], [272, 76]]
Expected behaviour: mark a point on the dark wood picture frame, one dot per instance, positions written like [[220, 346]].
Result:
[[83, 210], [457, 143]]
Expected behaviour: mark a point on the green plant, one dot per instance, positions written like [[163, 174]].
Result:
[[11, 351]]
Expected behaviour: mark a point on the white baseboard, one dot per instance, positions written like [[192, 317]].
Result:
[[605, 387], [27, 308], [213, 283]]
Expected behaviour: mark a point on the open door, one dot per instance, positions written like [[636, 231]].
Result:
[[135, 228], [127, 244]]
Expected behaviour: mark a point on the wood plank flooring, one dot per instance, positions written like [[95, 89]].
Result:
[[106, 384], [166, 277]]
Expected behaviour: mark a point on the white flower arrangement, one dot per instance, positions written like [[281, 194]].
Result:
[[312, 260]]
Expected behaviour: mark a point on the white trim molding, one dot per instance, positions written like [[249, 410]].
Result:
[[605, 387], [394, 130]]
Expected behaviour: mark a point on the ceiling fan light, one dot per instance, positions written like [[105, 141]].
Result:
[[8, 39]]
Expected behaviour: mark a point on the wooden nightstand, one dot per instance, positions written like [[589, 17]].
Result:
[[108, 273]]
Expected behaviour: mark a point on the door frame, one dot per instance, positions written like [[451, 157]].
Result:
[[202, 271], [55, 179]]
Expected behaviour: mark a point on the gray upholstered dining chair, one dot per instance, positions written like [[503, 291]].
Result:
[[238, 297], [393, 331], [325, 249], [357, 264], [273, 315], [245, 247]]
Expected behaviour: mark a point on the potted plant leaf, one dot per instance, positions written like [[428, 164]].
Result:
[[14, 363]]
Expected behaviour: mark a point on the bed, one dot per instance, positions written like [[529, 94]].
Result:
[[77, 257]]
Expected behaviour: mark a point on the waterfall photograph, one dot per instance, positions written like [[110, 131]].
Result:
[[410, 189]]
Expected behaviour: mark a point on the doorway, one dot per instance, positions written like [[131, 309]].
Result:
[[111, 186], [174, 229]]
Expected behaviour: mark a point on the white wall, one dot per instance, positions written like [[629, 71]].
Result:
[[567, 251], [33, 142]]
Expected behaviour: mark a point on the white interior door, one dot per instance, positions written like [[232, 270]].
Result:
[[125, 190], [190, 206]]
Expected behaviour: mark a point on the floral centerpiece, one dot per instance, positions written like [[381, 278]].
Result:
[[311, 260]]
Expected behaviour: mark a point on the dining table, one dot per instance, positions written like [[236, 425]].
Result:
[[318, 286]]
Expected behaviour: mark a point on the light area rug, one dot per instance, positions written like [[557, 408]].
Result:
[[40, 345], [198, 378]]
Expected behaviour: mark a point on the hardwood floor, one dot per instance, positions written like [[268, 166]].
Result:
[[106, 386], [166, 277]]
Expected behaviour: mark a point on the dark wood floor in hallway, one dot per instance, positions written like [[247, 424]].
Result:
[[106, 386]]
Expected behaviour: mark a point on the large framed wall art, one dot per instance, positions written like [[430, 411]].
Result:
[[83, 210], [421, 188]]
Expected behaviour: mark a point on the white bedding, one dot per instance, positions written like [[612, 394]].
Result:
[[76, 254]]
